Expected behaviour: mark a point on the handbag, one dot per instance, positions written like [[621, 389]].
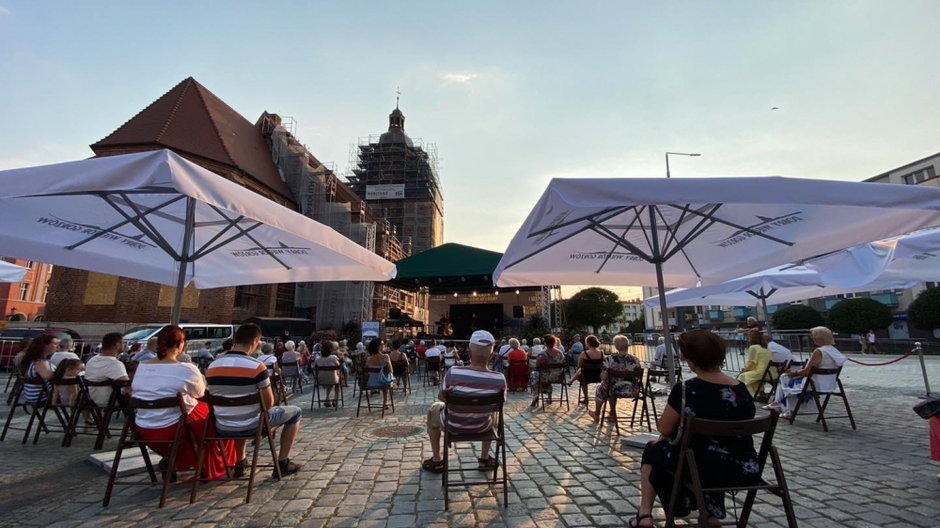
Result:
[[928, 408]]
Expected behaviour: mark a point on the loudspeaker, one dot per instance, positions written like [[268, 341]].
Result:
[[394, 313], [517, 311]]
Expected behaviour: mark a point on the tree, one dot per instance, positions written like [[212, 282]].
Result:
[[593, 307], [796, 317], [535, 326], [858, 315], [637, 326], [924, 312]]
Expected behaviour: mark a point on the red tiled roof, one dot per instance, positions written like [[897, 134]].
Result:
[[191, 119]]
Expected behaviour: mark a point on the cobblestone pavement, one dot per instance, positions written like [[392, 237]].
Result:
[[563, 472]]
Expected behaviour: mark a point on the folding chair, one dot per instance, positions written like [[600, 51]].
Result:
[[687, 471], [402, 374], [293, 379], [215, 441], [83, 407], [202, 363], [636, 377], [337, 387], [554, 374], [466, 404], [33, 408], [772, 376], [366, 389], [13, 379], [130, 439], [810, 389], [117, 403], [278, 387], [359, 365], [517, 375], [590, 373], [432, 366]]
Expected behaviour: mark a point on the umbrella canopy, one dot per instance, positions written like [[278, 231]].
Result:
[[913, 257], [158, 217], [778, 285], [11, 272], [683, 232]]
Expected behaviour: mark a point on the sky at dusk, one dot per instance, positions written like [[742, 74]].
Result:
[[512, 93]]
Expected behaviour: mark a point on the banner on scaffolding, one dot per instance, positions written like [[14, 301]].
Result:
[[385, 191]]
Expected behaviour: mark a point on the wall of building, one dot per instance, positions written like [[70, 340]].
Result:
[[26, 299]]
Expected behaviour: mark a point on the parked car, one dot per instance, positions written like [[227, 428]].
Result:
[[11, 337], [196, 334]]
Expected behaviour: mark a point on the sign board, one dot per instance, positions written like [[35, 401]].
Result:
[[370, 330], [392, 191]]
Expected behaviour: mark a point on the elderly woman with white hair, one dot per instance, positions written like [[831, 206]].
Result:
[[619, 361], [791, 382]]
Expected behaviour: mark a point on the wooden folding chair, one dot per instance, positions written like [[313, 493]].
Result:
[[687, 472], [636, 377], [590, 373], [770, 376], [811, 390], [517, 375], [554, 374], [432, 366], [466, 404], [386, 389], [32, 408], [262, 430], [293, 379], [117, 403], [315, 398], [404, 379], [130, 438]]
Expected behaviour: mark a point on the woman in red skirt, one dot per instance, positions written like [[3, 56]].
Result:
[[164, 377]]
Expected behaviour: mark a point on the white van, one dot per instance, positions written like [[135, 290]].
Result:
[[196, 334]]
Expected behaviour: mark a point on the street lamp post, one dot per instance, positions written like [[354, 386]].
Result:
[[677, 154]]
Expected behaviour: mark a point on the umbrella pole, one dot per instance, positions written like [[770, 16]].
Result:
[[183, 261], [770, 326], [670, 360]]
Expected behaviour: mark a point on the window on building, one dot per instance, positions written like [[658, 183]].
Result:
[[919, 175], [30, 264], [24, 291]]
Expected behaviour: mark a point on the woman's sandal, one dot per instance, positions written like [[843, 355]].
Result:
[[437, 466], [635, 522], [487, 464]]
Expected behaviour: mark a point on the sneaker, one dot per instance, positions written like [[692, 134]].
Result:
[[287, 468], [239, 470]]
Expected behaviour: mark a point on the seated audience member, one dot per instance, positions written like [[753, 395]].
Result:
[[105, 366], [757, 359], [549, 358], [148, 353], [619, 361], [516, 352], [328, 378], [400, 362], [378, 364], [474, 379], [791, 382], [65, 351], [267, 357], [164, 377], [711, 395], [659, 358], [35, 364], [238, 374], [205, 352], [591, 355], [778, 352], [68, 369], [433, 351], [450, 356]]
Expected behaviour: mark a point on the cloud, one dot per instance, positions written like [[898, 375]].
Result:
[[458, 77], [4, 11]]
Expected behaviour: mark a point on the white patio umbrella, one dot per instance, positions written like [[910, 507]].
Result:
[[914, 256], [11, 272], [158, 217], [683, 232]]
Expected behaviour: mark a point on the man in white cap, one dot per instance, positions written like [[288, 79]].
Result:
[[473, 379]]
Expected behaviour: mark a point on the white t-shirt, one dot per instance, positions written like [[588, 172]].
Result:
[[432, 352], [60, 355], [103, 368], [871, 337], [269, 360], [779, 353], [153, 381]]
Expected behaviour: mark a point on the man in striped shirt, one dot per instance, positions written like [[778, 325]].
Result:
[[474, 379], [236, 373]]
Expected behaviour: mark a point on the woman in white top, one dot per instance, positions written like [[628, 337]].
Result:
[[164, 377], [824, 356], [449, 357]]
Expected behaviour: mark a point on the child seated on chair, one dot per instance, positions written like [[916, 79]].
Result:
[[68, 369]]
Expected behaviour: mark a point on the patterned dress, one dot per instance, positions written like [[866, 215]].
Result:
[[620, 388], [721, 461], [545, 362]]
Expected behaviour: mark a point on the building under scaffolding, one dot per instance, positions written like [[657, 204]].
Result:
[[398, 178], [321, 195]]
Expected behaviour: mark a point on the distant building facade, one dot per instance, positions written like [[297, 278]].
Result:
[[26, 300]]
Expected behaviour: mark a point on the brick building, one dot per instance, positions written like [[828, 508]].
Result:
[[25, 300]]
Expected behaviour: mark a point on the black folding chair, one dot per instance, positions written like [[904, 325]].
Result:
[[549, 375], [32, 407], [337, 387], [465, 404], [687, 473], [640, 398], [810, 389]]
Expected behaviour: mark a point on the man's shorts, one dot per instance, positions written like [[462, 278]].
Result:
[[279, 415]]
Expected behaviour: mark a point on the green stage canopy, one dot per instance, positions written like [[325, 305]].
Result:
[[448, 268]]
